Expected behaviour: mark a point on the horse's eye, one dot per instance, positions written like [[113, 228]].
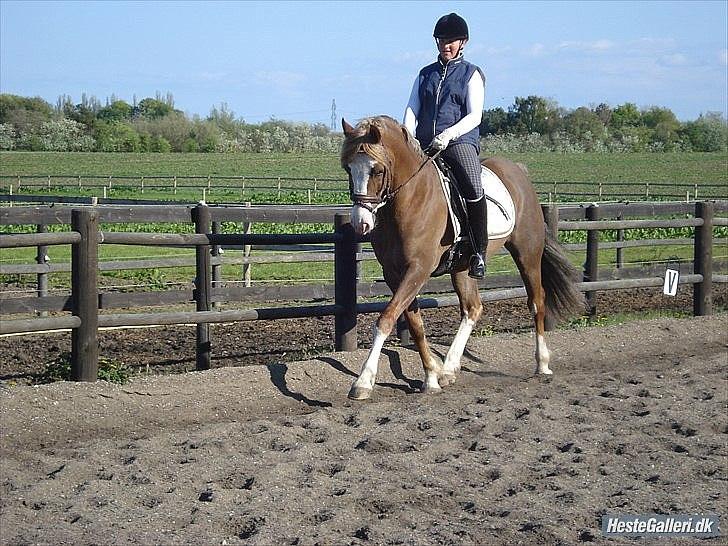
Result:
[[377, 172]]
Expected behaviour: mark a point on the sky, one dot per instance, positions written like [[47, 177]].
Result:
[[290, 60]]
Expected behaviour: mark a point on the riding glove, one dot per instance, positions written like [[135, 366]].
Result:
[[441, 141]]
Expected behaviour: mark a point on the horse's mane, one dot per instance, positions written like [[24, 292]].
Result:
[[360, 141]]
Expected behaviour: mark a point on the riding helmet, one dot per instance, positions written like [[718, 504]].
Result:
[[451, 26]]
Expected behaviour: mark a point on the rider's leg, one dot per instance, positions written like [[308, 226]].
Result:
[[477, 217], [464, 161]]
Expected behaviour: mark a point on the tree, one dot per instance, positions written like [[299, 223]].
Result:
[[534, 115], [708, 133], [65, 135], [82, 114], [160, 144], [117, 136], [494, 122], [153, 109], [10, 104], [7, 136], [625, 115], [175, 128], [664, 125], [224, 119], [583, 121], [25, 115], [118, 110], [207, 135], [604, 113]]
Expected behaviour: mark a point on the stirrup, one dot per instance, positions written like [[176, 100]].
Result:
[[477, 266]]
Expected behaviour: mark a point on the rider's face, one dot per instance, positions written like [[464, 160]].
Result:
[[449, 48]]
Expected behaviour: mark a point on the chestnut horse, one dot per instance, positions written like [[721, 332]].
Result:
[[398, 197]]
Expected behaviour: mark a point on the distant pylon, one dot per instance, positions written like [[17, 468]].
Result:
[[333, 114]]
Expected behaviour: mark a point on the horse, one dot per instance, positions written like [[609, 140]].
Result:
[[397, 197]]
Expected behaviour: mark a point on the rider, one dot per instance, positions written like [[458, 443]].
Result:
[[444, 112]]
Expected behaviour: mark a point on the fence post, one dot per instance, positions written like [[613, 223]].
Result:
[[42, 258], [620, 250], [703, 261], [201, 217], [345, 333], [403, 332], [551, 218], [247, 229], [84, 295], [591, 266], [216, 267]]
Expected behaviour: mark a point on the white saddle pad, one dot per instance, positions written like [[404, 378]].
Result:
[[501, 210]]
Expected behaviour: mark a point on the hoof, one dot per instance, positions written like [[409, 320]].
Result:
[[446, 379], [426, 389], [545, 371], [359, 393]]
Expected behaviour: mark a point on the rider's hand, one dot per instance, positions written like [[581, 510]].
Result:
[[440, 142]]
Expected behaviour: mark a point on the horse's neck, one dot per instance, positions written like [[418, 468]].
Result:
[[420, 201]]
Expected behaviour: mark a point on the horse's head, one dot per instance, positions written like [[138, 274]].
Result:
[[367, 159]]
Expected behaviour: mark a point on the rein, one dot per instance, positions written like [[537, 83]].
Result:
[[373, 204]]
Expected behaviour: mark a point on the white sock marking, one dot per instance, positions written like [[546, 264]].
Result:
[[543, 356], [455, 353], [368, 374]]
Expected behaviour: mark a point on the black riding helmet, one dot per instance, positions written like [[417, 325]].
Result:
[[451, 26]]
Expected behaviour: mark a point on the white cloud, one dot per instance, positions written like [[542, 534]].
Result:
[[652, 45], [280, 81], [421, 57], [674, 59], [494, 51], [536, 50], [723, 56], [597, 45], [213, 76]]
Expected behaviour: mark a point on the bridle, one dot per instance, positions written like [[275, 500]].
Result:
[[373, 203]]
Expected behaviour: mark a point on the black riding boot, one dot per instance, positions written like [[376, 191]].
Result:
[[478, 224]]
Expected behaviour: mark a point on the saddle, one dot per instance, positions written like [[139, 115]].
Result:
[[501, 215]]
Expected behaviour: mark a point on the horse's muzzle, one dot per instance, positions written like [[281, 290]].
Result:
[[362, 219]]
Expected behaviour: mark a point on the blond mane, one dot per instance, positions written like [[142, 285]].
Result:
[[360, 140]]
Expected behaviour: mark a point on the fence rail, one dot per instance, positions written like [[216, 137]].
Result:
[[85, 301]]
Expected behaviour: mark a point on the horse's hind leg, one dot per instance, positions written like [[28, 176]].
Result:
[[433, 369], [470, 310], [529, 264]]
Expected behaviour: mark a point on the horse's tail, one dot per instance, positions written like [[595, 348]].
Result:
[[559, 278]]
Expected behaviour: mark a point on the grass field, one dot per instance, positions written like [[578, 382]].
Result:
[[544, 167]]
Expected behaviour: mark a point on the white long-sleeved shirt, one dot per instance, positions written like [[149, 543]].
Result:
[[474, 103]]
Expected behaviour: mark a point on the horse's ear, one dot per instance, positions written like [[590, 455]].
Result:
[[348, 129]]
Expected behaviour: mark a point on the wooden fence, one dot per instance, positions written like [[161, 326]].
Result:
[[85, 301]]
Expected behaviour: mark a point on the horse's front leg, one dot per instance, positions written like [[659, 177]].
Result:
[[362, 387], [405, 291]]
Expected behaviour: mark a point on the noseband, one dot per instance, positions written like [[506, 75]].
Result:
[[372, 203]]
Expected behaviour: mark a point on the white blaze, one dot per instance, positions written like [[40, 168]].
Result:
[[361, 218]]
